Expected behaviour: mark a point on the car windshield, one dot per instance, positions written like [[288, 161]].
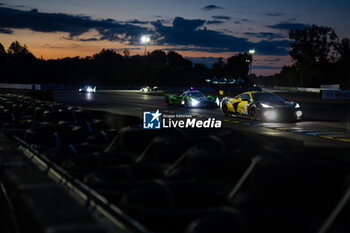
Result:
[[267, 97], [196, 95]]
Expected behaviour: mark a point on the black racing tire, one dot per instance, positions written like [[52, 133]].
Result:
[[161, 206], [186, 104], [253, 113], [46, 133], [168, 101], [224, 108]]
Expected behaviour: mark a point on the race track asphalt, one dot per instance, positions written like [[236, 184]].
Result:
[[325, 124]]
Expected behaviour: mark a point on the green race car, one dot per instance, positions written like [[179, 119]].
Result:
[[192, 99]]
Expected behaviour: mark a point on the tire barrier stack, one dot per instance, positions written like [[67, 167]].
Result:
[[46, 95], [190, 181]]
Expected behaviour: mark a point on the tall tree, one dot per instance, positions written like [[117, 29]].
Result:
[[2, 50], [126, 52], [219, 68], [16, 50], [3, 60], [238, 65], [343, 48], [311, 51], [157, 56], [176, 60]]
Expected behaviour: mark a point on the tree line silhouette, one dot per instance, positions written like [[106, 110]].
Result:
[[319, 57], [108, 67]]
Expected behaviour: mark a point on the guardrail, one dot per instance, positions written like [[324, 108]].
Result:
[[335, 94], [332, 87], [87, 196], [20, 86]]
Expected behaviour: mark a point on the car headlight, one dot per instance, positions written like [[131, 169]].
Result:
[[217, 101], [194, 102], [299, 113], [266, 105], [297, 105], [89, 89], [270, 115]]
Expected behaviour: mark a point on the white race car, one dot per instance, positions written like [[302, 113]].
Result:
[[148, 89], [88, 89]]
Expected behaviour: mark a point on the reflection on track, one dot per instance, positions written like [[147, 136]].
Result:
[[298, 128]]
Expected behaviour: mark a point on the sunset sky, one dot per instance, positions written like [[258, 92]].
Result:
[[198, 29]]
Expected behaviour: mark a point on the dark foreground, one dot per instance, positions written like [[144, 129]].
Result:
[[74, 173]]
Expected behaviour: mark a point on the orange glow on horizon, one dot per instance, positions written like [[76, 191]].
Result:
[[58, 45]]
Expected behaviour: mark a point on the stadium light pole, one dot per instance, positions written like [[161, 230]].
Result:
[[145, 40], [251, 52]]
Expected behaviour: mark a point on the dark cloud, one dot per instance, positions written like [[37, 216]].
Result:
[[266, 35], [188, 33], [197, 49], [88, 39], [187, 24], [212, 7], [12, 6], [109, 29], [292, 19], [289, 26], [272, 60], [274, 14], [52, 46], [185, 33], [226, 30], [136, 21], [214, 22], [61, 47], [221, 17], [5, 31], [123, 49], [240, 21]]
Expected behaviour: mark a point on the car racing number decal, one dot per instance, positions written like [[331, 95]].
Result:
[[245, 109]]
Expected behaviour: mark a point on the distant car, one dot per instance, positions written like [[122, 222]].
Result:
[[149, 89], [192, 99], [264, 106], [88, 89]]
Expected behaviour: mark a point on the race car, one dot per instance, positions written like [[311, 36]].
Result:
[[264, 106], [192, 99], [87, 89], [148, 89]]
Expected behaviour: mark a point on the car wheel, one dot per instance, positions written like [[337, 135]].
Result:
[[186, 103], [168, 101], [224, 108], [253, 113]]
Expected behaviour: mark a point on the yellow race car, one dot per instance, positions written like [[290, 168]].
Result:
[[264, 106]]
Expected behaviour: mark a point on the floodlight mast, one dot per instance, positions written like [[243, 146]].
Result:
[[144, 40], [251, 52]]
